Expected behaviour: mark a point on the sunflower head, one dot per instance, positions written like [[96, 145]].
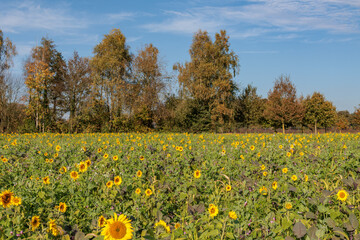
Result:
[[294, 178], [213, 210], [288, 205], [117, 180], [101, 221], [232, 215], [274, 185], [74, 175], [197, 174], [118, 228], [228, 188], [109, 184], [163, 224], [82, 167], [342, 195], [35, 222], [62, 207], [148, 192], [139, 173], [284, 170], [46, 180], [16, 201], [138, 191], [6, 198]]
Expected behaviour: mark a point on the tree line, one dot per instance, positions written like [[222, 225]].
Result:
[[117, 90]]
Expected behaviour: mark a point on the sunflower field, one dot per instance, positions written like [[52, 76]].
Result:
[[179, 186]]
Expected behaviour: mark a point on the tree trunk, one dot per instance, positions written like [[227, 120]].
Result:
[[315, 128], [283, 127]]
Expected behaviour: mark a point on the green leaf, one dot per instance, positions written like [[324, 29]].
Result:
[[299, 229], [353, 221]]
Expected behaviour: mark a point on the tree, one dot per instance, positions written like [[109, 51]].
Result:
[[111, 70], [249, 107], [77, 86], [208, 79], [148, 83], [45, 76], [343, 120], [282, 106], [318, 111], [356, 117]]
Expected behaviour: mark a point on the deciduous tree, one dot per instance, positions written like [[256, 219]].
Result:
[[283, 107]]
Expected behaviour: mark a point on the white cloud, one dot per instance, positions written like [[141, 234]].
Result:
[[30, 15], [259, 17]]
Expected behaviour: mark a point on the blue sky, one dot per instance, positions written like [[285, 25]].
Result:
[[317, 42]]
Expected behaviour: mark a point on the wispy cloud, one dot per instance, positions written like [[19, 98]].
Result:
[[115, 17], [260, 17], [30, 16]]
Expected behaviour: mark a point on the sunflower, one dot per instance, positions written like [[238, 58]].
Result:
[[117, 228], [4, 159], [213, 210], [228, 188], [142, 158], [101, 221], [177, 225], [62, 207], [139, 173], [115, 158], [265, 173], [106, 156], [82, 167], [109, 184], [16, 201], [53, 227], [138, 191], [280, 146], [288, 205], [117, 180], [252, 148], [294, 178], [306, 178], [46, 180], [232, 215], [274, 185], [35, 222], [74, 175], [148, 192], [263, 167], [88, 162], [197, 174], [342, 195], [288, 154], [6, 198], [57, 148], [62, 170], [284, 170], [99, 150], [263, 190], [163, 224]]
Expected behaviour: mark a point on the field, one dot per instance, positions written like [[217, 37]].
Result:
[[179, 186]]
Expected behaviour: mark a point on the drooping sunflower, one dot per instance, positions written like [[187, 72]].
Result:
[[16, 201], [306, 178], [274, 185], [148, 192], [46, 180], [163, 224], [232, 215], [213, 210], [228, 188], [117, 180], [117, 228], [6, 198], [62, 207], [53, 227], [342, 195], [35, 222], [197, 174], [88, 162], [74, 175], [101, 221], [139, 173]]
